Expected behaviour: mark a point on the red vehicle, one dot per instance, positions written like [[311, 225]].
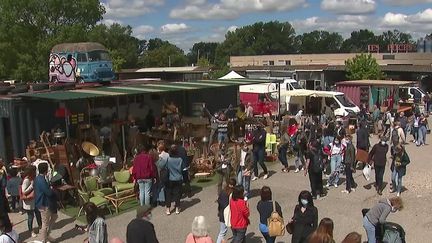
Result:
[[262, 97]]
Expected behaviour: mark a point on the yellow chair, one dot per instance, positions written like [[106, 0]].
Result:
[[122, 181]]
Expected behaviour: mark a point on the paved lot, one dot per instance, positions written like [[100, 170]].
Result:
[[344, 209]]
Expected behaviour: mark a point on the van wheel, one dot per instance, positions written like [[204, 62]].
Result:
[[79, 80], [54, 80]]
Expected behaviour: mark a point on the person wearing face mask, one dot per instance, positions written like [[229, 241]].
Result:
[[378, 158], [340, 130], [336, 155], [398, 168], [378, 215], [140, 230], [305, 218]]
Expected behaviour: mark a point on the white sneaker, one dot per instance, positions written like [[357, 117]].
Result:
[[254, 178], [352, 189], [33, 235], [296, 171], [245, 198], [398, 194], [345, 191], [302, 168], [265, 176], [327, 186], [336, 185]]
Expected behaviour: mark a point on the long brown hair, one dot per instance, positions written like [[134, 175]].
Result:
[[352, 237], [317, 237], [326, 227], [230, 186]]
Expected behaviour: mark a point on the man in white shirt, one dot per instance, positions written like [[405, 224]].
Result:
[[249, 110]]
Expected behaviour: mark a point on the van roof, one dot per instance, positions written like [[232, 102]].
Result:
[[262, 88], [313, 93], [78, 47]]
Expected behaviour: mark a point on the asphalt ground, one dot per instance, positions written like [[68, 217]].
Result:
[[344, 209]]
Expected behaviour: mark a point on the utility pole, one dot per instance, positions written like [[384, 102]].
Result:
[[198, 57], [169, 61]]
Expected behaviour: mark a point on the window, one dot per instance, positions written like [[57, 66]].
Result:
[[82, 57], [344, 101], [265, 63], [97, 56], [288, 62], [331, 102], [271, 63], [388, 57]]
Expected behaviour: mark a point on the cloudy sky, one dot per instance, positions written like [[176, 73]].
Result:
[[184, 22]]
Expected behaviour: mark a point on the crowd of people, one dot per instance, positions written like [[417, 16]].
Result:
[[321, 147]]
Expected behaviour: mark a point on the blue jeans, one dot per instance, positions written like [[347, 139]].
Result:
[[222, 232], [222, 137], [145, 186], [335, 162], [422, 135], [258, 157], [239, 235], [244, 181], [396, 181], [283, 155], [264, 231], [370, 230], [30, 216], [299, 158]]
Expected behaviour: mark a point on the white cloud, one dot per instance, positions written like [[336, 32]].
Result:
[[406, 2], [129, 8], [231, 9], [203, 12], [141, 31], [232, 28], [174, 28], [422, 17], [394, 20], [349, 6]]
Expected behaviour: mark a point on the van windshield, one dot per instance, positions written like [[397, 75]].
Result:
[[344, 101], [97, 56], [296, 85]]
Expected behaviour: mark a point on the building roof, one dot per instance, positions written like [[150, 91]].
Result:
[[323, 67], [133, 88], [375, 82], [188, 69]]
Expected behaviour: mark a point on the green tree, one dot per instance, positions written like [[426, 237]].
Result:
[[162, 54], [29, 29], [203, 49], [203, 62], [359, 41], [118, 39], [394, 37], [319, 42], [363, 66], [258, 39]]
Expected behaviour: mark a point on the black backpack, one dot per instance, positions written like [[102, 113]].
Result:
[[395, 137]]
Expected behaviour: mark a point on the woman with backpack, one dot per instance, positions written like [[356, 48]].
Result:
[[305, 219], [398, 168], [314, 167], [265, 208], [223, 202]]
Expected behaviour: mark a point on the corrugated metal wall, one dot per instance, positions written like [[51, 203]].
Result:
[[353, 92]]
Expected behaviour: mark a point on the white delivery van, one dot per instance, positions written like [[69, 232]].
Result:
[[413, 92], [253, 93], [315, 101]]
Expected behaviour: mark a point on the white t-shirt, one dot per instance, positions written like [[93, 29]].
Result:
[[242, 157], [7, 238], [336, 149]]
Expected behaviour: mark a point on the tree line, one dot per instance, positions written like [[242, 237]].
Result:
[[30, 28]]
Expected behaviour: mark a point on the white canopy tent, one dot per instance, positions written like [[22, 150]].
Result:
[[232, 75]]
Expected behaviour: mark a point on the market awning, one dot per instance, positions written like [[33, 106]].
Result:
[[137, 89], [309, 93], [376, 83]]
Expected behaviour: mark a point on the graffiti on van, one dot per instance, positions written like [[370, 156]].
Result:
[[62, 67]]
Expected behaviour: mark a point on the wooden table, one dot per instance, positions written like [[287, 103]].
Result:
[[63, 189], [117, 199]]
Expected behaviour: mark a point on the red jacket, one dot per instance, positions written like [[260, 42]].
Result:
[[239, 214], [143, 167]]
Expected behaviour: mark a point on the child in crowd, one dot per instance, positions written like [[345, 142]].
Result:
[[13, 185]]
